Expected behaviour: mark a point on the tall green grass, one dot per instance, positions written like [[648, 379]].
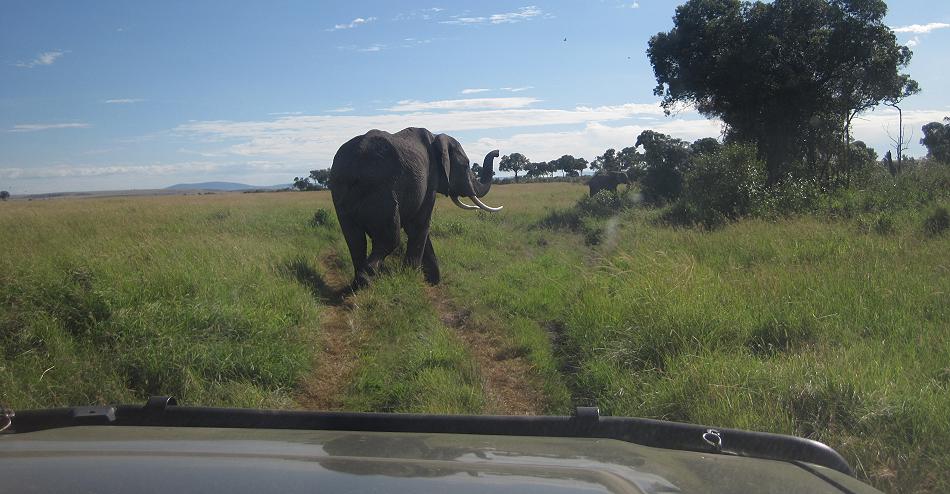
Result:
[[105, 300], [830, 325]]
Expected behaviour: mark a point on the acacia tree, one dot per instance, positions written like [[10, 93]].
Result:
[[321, 177], [571, 166], [789, 75], [514, 162]]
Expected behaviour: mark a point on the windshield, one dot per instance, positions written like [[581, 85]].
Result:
[[716, 212]]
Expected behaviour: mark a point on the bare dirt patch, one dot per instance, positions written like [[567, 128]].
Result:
[[333, 369], [510, 387]]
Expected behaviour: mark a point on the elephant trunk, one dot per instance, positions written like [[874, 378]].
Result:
[[483, 184]]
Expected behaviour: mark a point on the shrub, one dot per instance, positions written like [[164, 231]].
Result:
[[727, 184], [937, 221], [606, 203], [322, 217]]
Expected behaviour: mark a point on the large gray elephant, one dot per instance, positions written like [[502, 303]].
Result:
[[383, 182], [608, 181]]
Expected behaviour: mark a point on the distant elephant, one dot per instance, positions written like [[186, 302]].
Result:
[[384, 181], [608, 181]]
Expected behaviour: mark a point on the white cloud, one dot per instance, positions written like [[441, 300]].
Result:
[[873, 127], [476, 90], [286, 113], [354, 23], [317, 137], [38, 127], [375, 47], [913, 42], [192, 168], [921, 28], [593, 139], [342, 109], [517, 89], [123, 101], [45, 58], [522, 14], [462, 104], [424, 14]]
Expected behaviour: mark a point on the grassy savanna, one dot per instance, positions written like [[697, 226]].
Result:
[[829, 327]]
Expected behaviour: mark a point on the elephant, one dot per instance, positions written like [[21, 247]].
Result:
[[608, 181], [383, 182]]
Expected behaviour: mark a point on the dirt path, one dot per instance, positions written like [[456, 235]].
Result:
[[509, 386], [324, 388]]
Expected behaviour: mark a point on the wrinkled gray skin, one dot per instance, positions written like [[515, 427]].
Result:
[[383, 182], [607, 181]]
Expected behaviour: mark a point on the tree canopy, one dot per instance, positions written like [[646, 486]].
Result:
[[571, 166], [514, 162], [607, 162], [666, 159], [937, 140], [785, 75]]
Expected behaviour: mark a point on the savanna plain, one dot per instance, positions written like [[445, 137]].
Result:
[[832, 327]]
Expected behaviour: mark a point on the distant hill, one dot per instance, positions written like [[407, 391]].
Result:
[[224, 186]]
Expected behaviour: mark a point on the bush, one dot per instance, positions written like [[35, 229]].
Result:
[[322, 217], [937, 221], [724, 185]]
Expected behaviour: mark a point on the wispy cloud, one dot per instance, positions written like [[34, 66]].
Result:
[[286, 113], [921, 28], [317, 137], [424, 14], [342, 109], [123, 101], [521, 15], [517, 89], [475, 90], [462, 104], [354, 23], [913, 42], [375, 47], [39, 127], [188, 168], [45, 58]]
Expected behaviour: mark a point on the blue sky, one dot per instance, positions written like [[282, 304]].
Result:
[[123, 95]]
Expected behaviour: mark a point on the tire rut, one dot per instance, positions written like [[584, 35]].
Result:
[[507, 380], [339, 340]]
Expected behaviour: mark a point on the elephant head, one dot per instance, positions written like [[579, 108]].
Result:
[[457, 178]]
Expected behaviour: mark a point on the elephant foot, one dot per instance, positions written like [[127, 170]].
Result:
[[360, 281]]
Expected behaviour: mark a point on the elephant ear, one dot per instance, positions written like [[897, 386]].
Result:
[[442, 155]]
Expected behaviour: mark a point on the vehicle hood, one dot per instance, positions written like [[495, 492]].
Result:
[[188, 459]]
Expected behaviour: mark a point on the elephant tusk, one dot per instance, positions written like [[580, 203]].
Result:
[[483, 206], [461, 204]]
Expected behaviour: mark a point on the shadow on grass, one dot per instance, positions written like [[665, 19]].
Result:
[[315, 282]]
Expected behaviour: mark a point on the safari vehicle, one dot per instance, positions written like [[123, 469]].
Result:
[[163, 447]]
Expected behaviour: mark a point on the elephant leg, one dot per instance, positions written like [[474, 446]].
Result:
[[417, 233], [430, 264], [356, 242], [385, 236]]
